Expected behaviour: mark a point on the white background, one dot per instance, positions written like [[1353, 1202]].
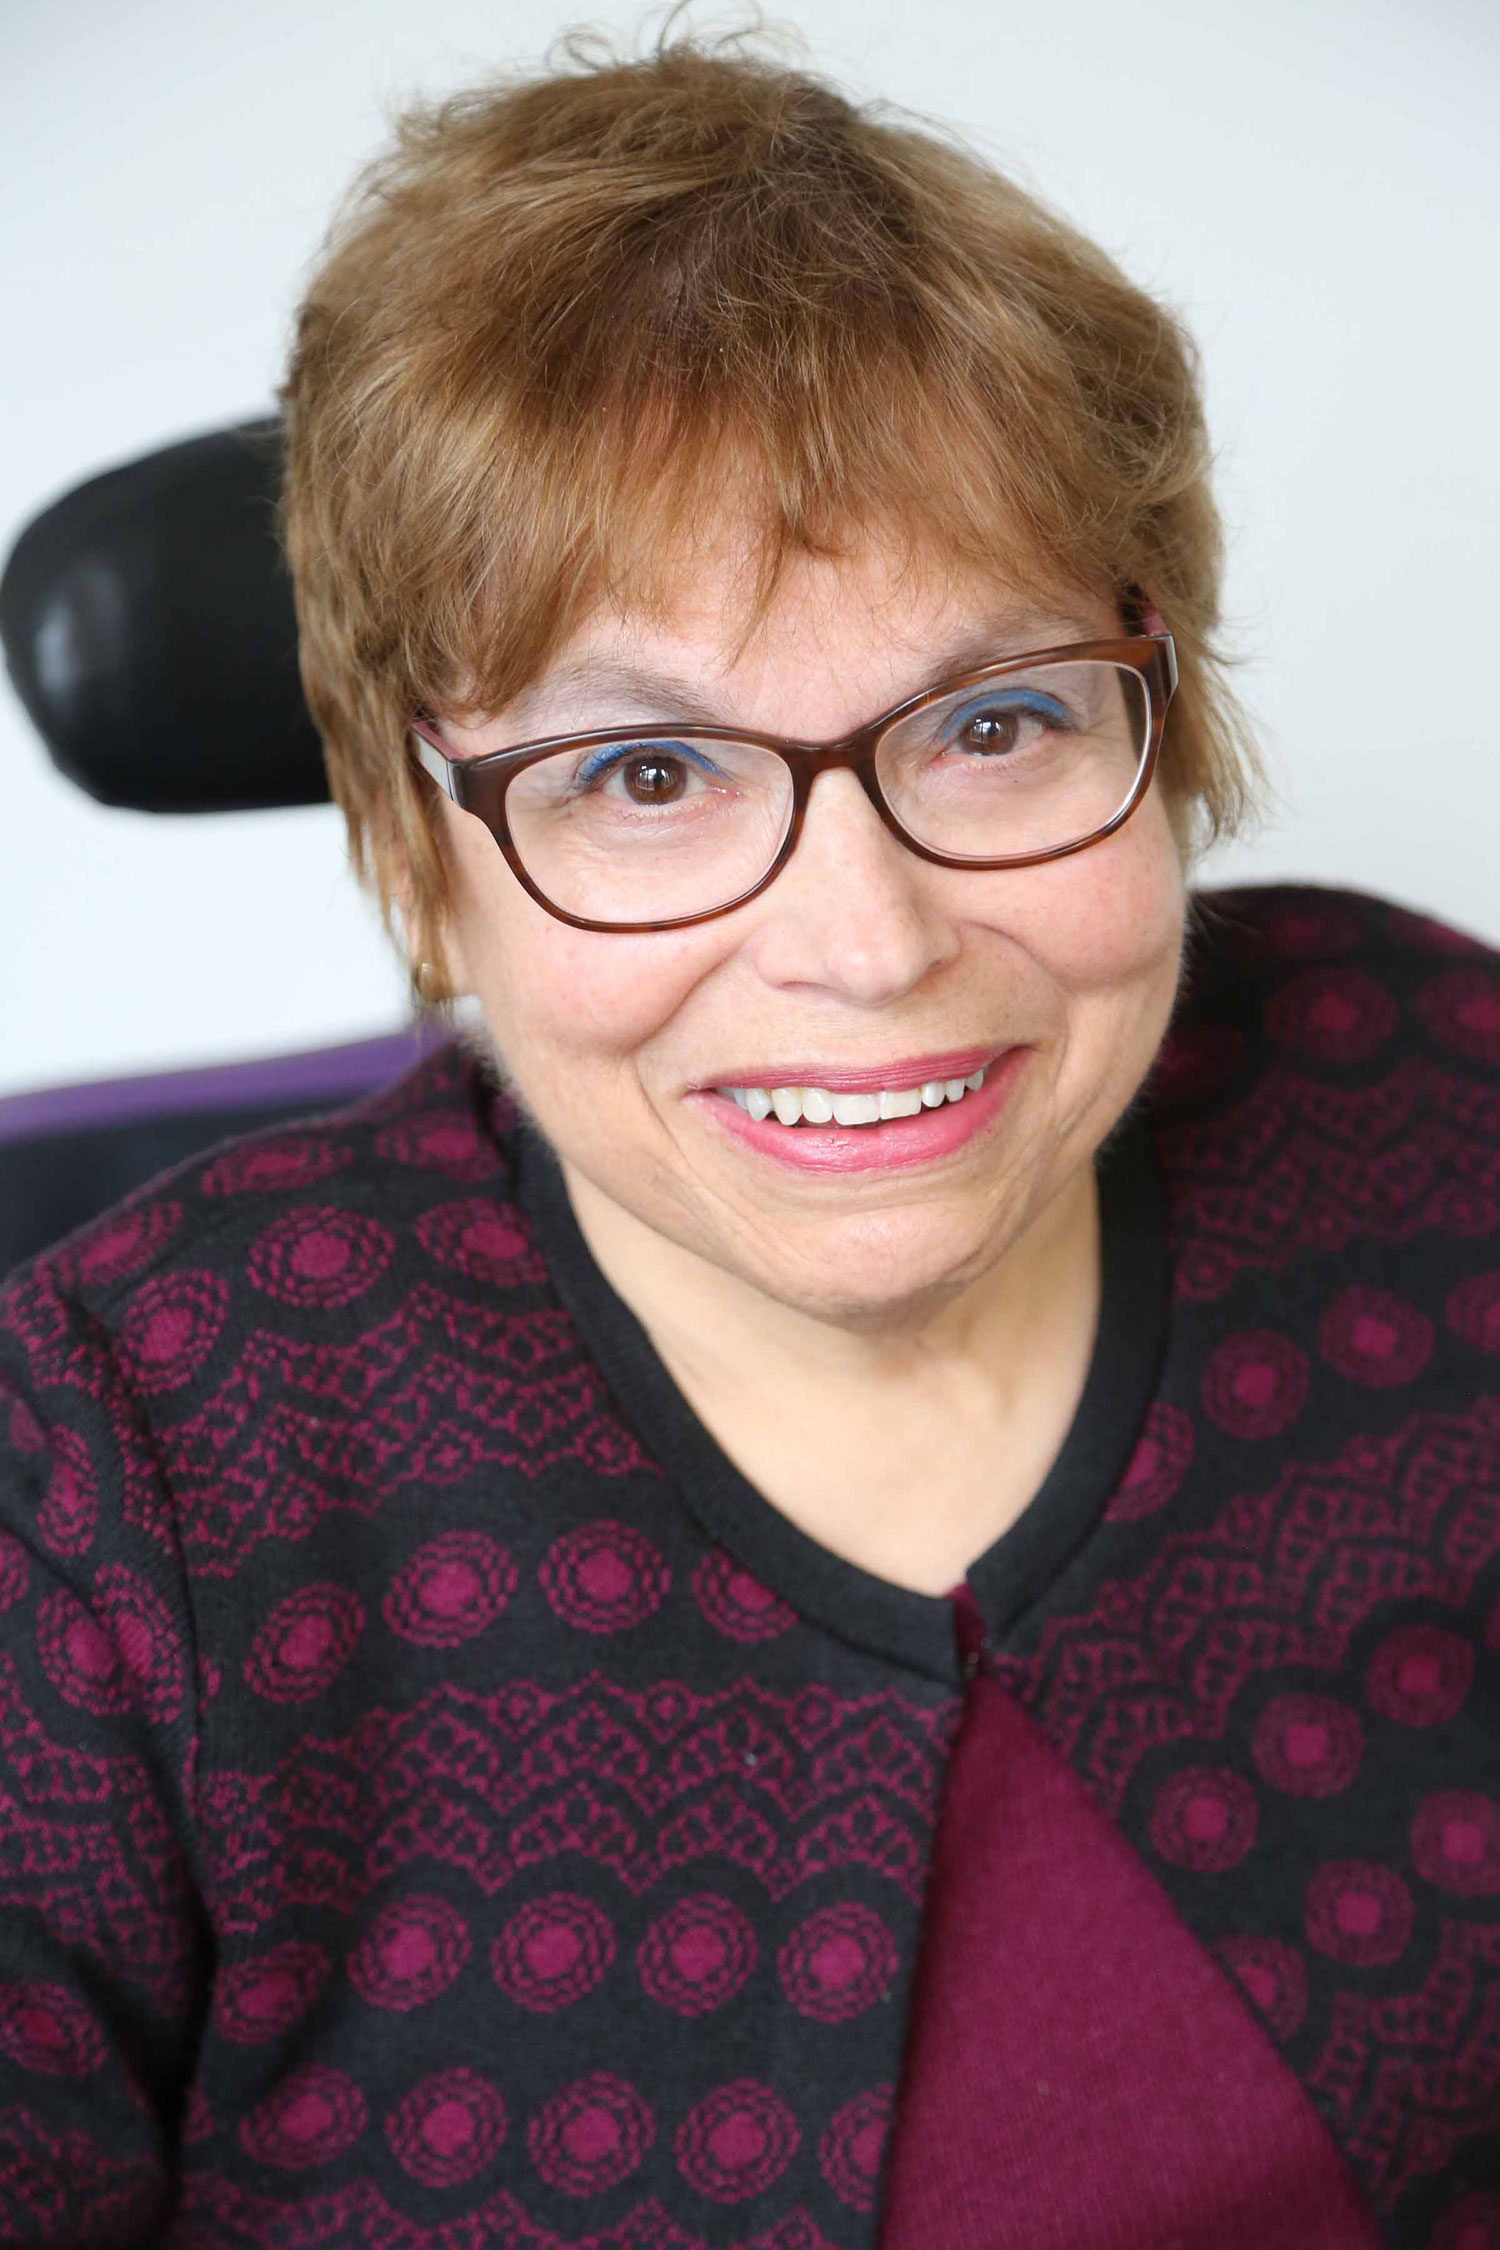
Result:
[[1314, 183]]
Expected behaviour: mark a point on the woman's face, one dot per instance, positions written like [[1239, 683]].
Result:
[[859, 961]]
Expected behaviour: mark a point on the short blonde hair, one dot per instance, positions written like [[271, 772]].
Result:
[[561, 316]]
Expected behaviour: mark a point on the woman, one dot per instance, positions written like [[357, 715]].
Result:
[[838, 1580]]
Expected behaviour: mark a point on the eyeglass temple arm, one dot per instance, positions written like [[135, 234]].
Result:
[[442, 769]]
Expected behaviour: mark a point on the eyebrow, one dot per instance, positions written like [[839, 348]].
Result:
[[599, 680]]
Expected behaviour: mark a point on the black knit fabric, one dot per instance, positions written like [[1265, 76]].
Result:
[[442, 1803]]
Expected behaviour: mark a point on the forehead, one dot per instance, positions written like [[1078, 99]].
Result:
[[839, 641]]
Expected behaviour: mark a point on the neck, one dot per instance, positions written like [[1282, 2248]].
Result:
[[906, 1445]]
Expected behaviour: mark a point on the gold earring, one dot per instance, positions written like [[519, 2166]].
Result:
[[431, 986]]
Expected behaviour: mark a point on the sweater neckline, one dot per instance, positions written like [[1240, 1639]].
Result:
[[912, 1630]]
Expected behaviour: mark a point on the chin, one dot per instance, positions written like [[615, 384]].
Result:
[[890, 1279]]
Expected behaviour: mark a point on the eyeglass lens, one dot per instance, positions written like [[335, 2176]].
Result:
[[652, 826]]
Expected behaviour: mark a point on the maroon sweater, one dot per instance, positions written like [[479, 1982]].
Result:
[[443, 1804]]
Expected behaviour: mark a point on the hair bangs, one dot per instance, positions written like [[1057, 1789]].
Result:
[[573, 333]]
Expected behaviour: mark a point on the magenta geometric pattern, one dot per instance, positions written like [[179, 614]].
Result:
[[648, 1786], [1350, 1563], [417, 1831]]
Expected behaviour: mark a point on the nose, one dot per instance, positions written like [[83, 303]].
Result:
[[852, 911]]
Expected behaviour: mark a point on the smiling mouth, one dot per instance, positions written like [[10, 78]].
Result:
[[814, 1105]]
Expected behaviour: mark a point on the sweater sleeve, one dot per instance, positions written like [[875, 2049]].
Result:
[[103, 1937]]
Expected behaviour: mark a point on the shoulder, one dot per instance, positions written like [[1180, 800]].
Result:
[[296, 1222], [1328, 983], [1279, 932], [1329, 1088]]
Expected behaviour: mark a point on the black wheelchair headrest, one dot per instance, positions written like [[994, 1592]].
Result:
[[148, 627]]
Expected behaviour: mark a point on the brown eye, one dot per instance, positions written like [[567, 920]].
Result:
[[653, 780], [990, 730]]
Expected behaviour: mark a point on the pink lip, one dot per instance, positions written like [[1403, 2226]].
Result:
[[893, 1076], [893, 1146]]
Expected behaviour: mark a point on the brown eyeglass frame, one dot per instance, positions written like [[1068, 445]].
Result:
[[479, 785]]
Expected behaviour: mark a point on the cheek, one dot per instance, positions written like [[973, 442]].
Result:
[[1105, 929], [1117, 911], [567, 1008]]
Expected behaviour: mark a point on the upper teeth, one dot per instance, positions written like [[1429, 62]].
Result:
[[795, 1104]]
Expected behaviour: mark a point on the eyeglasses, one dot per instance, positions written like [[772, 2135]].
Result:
[[652, 828]]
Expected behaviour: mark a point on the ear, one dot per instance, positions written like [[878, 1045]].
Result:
[[430, 939]]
